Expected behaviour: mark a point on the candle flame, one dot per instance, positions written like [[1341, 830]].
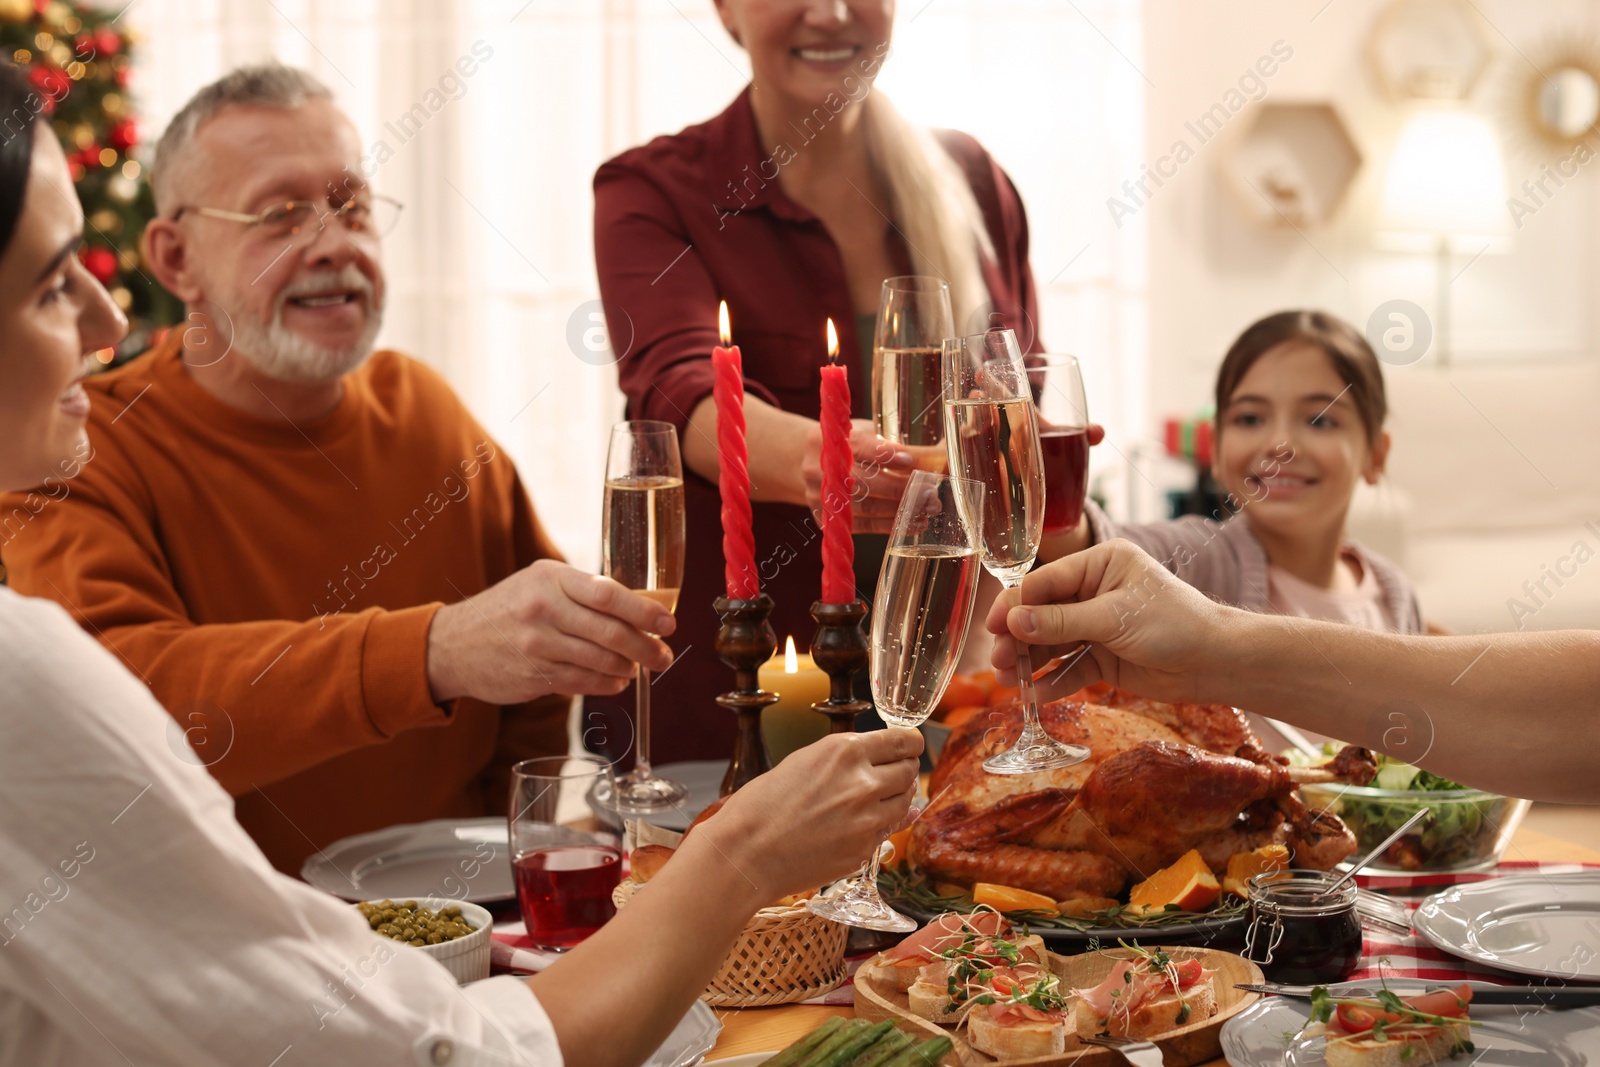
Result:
[[791, 662], [722, 323], [833, 342]]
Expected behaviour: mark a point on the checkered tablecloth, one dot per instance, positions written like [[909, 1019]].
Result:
[[1383, 953]]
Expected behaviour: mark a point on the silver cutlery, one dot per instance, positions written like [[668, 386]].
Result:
[[1138, 1053], [1546, 996]]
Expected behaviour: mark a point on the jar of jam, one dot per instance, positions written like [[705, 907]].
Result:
[[1300, 934]]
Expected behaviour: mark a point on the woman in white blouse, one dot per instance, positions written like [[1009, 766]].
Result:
[[139, 923]]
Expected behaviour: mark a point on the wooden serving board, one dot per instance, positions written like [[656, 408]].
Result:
[[877, 998]]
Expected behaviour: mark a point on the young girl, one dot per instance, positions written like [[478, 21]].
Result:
[[1300, 413]]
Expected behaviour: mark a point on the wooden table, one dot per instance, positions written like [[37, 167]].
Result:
[[764, 1029]]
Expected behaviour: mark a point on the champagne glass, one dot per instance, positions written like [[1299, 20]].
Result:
[[914, 318], [920, 617], [642, 548], [992, 432], [1057, 385]]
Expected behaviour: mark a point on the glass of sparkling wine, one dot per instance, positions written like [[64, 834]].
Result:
[[919, 623], [642, 548], [991, 428], [913, 320]]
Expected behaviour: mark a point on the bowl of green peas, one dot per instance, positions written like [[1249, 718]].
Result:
[[453, 932]]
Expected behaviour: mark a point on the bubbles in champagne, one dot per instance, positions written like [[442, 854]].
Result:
[[919, 623], [643, 536], [996, 442]]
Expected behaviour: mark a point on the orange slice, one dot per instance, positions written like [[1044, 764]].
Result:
[[1188, 883], [1084, 907], [899, 848], [1010, 898], [1242, 866], [963, 691], [957, 716], [1005, 694]]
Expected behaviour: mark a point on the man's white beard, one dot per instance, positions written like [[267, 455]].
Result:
[[285, 356]]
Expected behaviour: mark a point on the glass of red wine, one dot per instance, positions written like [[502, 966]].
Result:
[[564, 876], [1057, 383]]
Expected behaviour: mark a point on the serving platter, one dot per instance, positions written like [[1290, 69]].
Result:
[[1224, 930], [1205, 931], [1198, 1042], [1263, 1035], [1537, 924]]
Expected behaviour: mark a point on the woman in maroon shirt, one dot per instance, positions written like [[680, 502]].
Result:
[[792, 205]]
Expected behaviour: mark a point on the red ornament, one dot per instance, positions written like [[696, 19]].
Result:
[[107, 42], [52, 85], [88, 158], [123, 136], [101, 262]]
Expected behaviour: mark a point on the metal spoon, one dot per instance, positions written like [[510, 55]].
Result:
[[1375, 853]]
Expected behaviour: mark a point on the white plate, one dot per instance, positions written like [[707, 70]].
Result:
[[1262, 1034], [749, 1059], [1540, 924], [703, 779], [460, 859], [692, 1039]]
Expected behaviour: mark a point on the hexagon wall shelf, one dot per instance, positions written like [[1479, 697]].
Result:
[[1293, 164], [1430, 49]]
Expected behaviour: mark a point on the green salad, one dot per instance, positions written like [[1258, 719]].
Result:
[[1463, 830]]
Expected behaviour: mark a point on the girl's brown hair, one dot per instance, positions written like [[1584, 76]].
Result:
[[1352, 357]]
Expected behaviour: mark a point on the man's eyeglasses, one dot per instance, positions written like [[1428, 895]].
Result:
[[368, 214]]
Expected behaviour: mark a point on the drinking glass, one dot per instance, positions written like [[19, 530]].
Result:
[[913, 320], [641, 547], [564, 876], [992, 432], [1057, 385], [919, 623]]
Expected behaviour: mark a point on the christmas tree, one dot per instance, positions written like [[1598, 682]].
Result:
[[78, 60]]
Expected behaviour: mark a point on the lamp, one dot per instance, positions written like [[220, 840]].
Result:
[[1445, 192]]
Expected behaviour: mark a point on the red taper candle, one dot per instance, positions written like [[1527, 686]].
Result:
[[733, 465], [838, 549]]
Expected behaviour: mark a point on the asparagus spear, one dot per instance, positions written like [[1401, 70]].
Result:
[[892, 1044], [928, 1054], [853, 1046], [850, 1029], [799, 1050]]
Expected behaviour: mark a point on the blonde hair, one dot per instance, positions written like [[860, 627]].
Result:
[[931, 203]]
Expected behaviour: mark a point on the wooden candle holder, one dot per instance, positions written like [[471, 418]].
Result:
[[840, 648], [744, 642]]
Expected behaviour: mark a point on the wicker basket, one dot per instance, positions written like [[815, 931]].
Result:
[[783, 956]]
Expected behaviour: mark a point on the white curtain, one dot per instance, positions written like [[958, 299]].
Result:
[[491, 271]]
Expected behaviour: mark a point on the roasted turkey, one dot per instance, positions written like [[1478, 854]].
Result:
[[1161, 779]]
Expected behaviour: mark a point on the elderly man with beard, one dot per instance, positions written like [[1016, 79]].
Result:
[[321, 565]]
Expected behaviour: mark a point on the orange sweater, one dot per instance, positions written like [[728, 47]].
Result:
[[274, 585]]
